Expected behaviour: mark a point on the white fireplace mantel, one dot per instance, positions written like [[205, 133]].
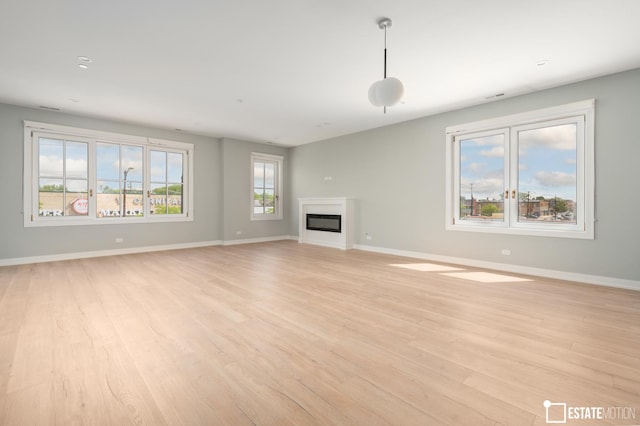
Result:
[[334, 206]]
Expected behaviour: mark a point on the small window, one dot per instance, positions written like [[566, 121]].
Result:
[[266, 178], [530, 174]]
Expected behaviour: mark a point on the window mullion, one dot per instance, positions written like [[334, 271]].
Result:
[[511, 174], [35, 173], [64, 177], [146, 182], [92, 177]]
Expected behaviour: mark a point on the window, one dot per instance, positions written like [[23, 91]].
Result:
[[529, 174], [266, 178], [78, 176]]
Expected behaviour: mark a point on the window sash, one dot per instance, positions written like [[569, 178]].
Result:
[[166, 203], [580, 209], [459, 183], [61, 177]]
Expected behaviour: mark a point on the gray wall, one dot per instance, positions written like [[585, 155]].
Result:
[[236, 164], [220, 193], [397, 175]]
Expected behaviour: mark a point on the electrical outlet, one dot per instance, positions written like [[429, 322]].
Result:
[[367, 236], [238, 232], [119, 240], [506, 252]]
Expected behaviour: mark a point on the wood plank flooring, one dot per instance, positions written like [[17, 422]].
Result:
[[291, 334]]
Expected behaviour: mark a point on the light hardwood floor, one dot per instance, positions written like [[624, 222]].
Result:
[[292, 334]]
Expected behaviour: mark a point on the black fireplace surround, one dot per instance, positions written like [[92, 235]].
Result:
[[324, 222]]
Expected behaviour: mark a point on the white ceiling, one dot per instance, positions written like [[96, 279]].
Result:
[[296, 71]]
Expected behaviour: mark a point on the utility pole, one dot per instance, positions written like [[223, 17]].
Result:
[[124, 192]]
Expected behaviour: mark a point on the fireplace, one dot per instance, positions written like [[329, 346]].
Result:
[[324, 222]]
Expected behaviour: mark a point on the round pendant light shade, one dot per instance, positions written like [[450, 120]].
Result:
[[386, 92], [373, 94]]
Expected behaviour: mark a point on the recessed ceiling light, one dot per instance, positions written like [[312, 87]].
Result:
[[85, 59], [83, 66]]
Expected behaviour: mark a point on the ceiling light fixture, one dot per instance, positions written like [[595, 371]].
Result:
[[84, 62], [388, 91]]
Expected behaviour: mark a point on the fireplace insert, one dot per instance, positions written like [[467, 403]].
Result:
[[324, 222]]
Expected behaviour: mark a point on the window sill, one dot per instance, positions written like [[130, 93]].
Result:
[[75, 221], [560, 232]]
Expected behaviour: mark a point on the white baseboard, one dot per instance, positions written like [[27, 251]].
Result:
[[100, 253], [131, 250], [527, 270], [258, 240]]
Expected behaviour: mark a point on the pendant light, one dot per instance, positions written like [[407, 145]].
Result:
[[388, 91]]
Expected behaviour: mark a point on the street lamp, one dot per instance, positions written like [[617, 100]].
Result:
[[124, 192]]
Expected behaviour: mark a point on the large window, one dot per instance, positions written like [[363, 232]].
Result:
[[530, 173], [266, 178], [78, 176]]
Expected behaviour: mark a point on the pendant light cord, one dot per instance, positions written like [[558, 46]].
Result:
[[385, 51], [384, 109]]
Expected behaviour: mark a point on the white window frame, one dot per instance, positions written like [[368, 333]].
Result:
[[509, 125], [279, 161], [31, 185]]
